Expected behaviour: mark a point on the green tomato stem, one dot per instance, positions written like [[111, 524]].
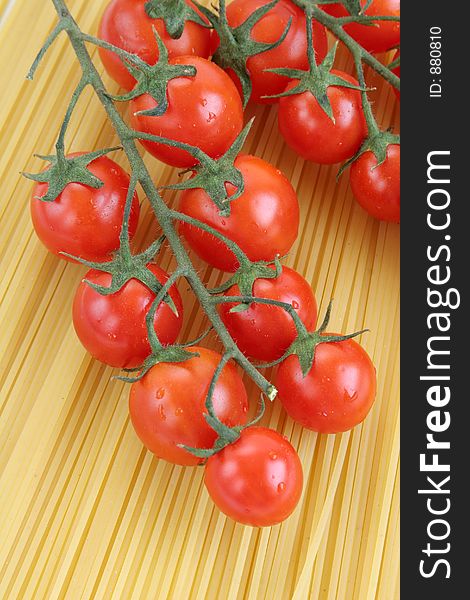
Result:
[[164, 215], [334, 25], [60, 145]]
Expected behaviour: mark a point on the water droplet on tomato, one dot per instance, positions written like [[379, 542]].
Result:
[[161, 412], [211, 117], [272, 456], [281, 487], [160, 393], [295, 304], [178, 412]]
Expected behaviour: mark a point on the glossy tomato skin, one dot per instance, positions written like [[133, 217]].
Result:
[[265, 332], [167, 406], [379, 37], [125, 24], [263, 221], [337, 392], [204, 111], [310, 132], [113, 329], [257, 480], [291, 53], [85, 221], [377, 188]]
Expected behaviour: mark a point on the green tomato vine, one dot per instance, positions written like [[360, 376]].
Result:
[[210, 174]]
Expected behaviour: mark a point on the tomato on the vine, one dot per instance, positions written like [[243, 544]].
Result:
[[377, 188], [263, 221], [379, 36], [113, 329], [309, 131], [337, 392], [256, 480], [84, 221], [125, 24], [291, 53], [204, 111], [263, 331], [167, 406]]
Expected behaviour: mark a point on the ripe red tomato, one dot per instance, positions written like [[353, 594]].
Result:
[[309, 131], [337, 392], [167, 406], [125, 24], [291, 53], [113, 329], [396, 70], [85, 221], [204, 110], [263, 221], [265, 332], [379, 36], [377, 188], [257, 480]]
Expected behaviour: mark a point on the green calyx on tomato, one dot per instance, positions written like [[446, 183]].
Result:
[[305, 344], [377, 143], [213, 175], [65, 170], [237, 44], [245, 276], [126, 266], [375, 25], [175, 14], [160, 354], [153, 79], [316, 80]]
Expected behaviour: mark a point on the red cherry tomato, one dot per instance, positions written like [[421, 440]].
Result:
[[113, 329], [263, 221], [396, 70], [204, 110], [85, 221], [265, 332], [257, 480], [167, 406], [125, 24], [309, 131], [291, 53], [379, 36], [337, 392], [377, 188]]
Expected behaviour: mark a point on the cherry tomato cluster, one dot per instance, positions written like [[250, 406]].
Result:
[[188, 404]]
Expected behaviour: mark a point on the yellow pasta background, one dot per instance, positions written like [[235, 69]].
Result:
[[85, 511]]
